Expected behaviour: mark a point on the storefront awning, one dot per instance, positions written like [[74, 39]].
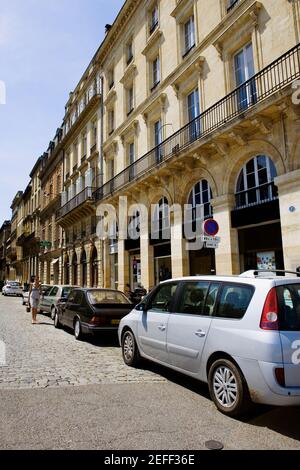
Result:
[[55, 261]]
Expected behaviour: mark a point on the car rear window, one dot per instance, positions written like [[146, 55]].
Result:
[[97, 297], [234, 301], [15, 284], [289, 301], [66, 291]]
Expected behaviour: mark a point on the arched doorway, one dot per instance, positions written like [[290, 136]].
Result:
[[67, 270], [201, 261], [75, 270], [94, 267], [161, 240], [83, 264], [257, 216]]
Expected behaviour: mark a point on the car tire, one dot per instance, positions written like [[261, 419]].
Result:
[[130, 350], [53, 313], [57, 323], [78, 330], [228, 388]]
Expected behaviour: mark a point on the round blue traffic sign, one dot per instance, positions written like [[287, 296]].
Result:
[[211, 227]]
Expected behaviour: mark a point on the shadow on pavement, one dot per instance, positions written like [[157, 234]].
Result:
[[282, 420]]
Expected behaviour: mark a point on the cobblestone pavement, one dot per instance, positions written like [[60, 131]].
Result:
[[39, 356]]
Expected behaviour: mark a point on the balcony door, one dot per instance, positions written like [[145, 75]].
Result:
[[158, 138], [244, 70]]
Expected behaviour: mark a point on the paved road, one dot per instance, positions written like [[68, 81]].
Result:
[[39, 356], [56, 393]]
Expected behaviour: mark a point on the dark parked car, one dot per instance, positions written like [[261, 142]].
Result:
[[88, 311]]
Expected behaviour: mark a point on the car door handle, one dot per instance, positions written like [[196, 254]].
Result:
[[200, 333], [162, 327]]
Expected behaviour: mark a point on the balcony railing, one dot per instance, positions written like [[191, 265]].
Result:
[[258, 195], [280, 73], [85, 195]]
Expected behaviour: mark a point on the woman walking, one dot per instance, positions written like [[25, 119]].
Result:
[[34, 297]]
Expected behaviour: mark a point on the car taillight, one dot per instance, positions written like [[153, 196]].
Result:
[[279, 372], [99, 321], [269, 318]]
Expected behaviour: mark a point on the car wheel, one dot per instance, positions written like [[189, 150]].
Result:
[[53, 313], [130, 351], [78, 330], [56, 321], [228, 388]]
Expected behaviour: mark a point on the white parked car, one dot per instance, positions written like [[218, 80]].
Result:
[[238, 334], [12, 288], [25, 298]]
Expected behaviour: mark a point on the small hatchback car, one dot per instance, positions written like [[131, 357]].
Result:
[[241, 335]]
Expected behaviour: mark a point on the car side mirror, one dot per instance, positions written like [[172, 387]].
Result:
[[142, 307]]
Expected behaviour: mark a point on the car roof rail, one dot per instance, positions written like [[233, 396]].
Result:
[[274, 272]]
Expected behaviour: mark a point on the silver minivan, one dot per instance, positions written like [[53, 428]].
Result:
[[241, 335]]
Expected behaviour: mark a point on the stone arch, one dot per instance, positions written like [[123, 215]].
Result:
[[236, 163], [190, 180]]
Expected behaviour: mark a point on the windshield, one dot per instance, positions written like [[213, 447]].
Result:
[[107, 297], [289, 300]]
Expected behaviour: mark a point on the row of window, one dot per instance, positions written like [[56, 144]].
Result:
[[202, 298]]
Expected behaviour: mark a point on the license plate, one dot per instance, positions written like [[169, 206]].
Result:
[[115, 322]]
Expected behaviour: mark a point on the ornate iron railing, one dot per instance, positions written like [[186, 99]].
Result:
[[280, 73]]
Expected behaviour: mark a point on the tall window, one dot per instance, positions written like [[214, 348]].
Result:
[[161, 223], [189, 35], [231, 4], [111, 121], [84, 145], [153, 19], [158, 138], [130, 100], [129, 52], [244, 71], [201, 195], [111, 78], [193, 106], [256, 182], [131, 159], [155, 72]]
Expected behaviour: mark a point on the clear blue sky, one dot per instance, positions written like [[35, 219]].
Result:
[[45, 46]]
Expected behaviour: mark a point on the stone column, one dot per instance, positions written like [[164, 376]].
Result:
[[227, 254], [88, 265], [123, 265], [98, 245], [79, 276], [289, 201], [147, 257], [179, 253], [106, 264]]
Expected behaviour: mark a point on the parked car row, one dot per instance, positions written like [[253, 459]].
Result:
[[237, 334]]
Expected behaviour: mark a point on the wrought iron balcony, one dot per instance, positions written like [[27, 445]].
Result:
[[280, 73], [76, 202]]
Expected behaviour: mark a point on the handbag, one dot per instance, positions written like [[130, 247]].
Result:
[[28, 309]]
